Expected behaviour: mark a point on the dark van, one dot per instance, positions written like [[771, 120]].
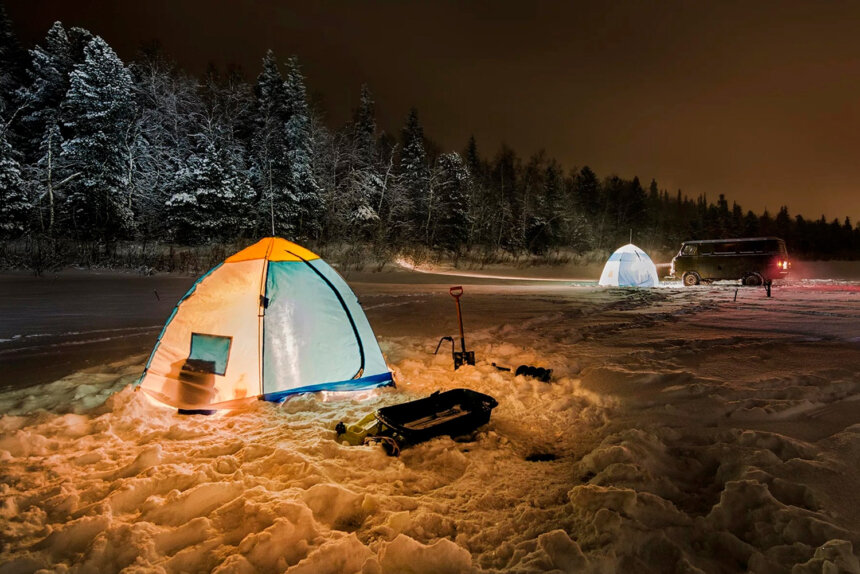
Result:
[[753, 260]]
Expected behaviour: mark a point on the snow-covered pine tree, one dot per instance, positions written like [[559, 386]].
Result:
[[13, 62], [270, 164], [543, 229], [183, 212], [586, 190], [327, 165], [480, 200], [40, 123], [473, 158], [453, 214], [211, 197], [48, 82], [415, 179], [98, 110], [506, 200], [14, 205], [302, 183], [168, 112], [361, 181], [364, 129]]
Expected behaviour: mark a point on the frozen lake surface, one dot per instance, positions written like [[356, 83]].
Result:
[[685, 430]]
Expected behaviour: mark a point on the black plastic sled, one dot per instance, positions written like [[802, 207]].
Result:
[[456, 412]]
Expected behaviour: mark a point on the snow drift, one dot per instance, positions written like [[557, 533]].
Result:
[[685, 431]]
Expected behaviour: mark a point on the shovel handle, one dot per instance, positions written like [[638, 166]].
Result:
[[455, 293]]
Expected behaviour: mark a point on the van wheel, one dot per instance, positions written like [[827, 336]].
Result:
[[753, 280], [691, 278]]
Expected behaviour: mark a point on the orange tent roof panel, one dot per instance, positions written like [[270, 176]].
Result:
[[273, 249]]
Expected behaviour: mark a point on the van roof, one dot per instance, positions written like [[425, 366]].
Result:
[[698, 241]]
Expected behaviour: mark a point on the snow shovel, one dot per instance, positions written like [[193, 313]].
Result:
[[465, 357], [462, 357]]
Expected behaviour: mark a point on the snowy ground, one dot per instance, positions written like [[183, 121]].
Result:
[[685, 431]]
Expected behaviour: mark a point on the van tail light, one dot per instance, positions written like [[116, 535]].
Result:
[[784, 264]]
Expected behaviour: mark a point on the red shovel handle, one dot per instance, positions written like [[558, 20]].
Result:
[[456, 292]]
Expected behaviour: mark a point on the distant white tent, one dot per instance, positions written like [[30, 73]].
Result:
[[629, 266]]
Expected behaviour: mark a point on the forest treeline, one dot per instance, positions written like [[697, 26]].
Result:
[[97, 151]]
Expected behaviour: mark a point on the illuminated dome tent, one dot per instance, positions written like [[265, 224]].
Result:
[[272, 320], [629, 266]]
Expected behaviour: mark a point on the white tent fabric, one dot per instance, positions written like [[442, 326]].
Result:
[[629, 266], [269, 321]]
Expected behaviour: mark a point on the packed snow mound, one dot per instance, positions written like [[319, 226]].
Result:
[[683, 431]]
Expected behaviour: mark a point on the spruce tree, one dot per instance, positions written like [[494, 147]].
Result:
[[586, 190], [473, 158], [211, 197], [751, 224], [479, 200], [48, 83], [508, 200], [364, 129], [41, 122], [271, 172], [544, 229], [362, 183], [13, 63], [99, 109], [304, 192], [783, 224], [169, 112], [14, 205], [453, 219], [634, 204], [415, 178]]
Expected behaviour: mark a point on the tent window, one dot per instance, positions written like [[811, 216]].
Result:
[[210, 349]]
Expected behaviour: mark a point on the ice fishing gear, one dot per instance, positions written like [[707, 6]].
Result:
[[462, 357], [539, 373], [455, 413]]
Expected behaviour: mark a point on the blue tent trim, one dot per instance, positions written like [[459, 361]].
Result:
[[364, 383]]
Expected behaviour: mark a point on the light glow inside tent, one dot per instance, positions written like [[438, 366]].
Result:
[[629, 266], [270, 321]]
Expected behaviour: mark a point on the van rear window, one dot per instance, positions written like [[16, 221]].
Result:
[[752, 247], [776, 246]]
